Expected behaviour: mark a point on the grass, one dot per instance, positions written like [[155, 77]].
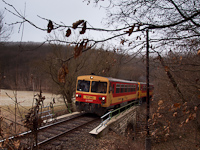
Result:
[[8, 125]]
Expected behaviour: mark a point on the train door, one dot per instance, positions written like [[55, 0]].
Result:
[[111, 92], [138, 91]]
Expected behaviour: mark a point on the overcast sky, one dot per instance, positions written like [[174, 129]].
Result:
[[66, 11]]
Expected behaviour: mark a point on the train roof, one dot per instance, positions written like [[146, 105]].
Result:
[[145, 83], [95, 77], [87, 77], [120, 80]]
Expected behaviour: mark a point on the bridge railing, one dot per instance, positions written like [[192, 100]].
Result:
[[107, 117]]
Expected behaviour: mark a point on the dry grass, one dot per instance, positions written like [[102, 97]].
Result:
[[12, 113]]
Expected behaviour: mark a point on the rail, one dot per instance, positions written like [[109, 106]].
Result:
[[110, 115]]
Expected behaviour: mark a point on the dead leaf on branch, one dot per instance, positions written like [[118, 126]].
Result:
[[175, 114], [166, 69], [79, 48], [130, 31], [198, 52], [63, 71], [182, 123], [160, 102], [1, 118], [153, 133], [122, 42], [153, 116], [16, 144], [138, 38], [68, 32], [177, 105], [195, 108], [192, 116], [85, 45], [84, 28], [185, 104], [77, 23], [49, 26], [188, 112]]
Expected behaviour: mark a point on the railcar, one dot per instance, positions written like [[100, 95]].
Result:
[[97, 94], [142, 91]]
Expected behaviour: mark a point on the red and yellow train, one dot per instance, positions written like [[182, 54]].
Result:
[[96, 94]]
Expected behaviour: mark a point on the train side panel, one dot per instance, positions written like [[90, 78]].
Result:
[[142, 90], [122, 92]]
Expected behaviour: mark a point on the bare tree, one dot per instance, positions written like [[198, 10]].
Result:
[[5, 31]]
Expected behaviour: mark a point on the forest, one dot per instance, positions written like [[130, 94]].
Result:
[[30, 63], [175, 77], [174, 66]]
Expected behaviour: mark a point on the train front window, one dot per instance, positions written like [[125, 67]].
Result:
[[99, 87], [83, 85]]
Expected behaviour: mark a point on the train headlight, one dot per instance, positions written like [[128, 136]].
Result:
[[103, 98], [78, 95]]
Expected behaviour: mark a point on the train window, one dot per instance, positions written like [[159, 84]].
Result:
[[144, 88], [122, 88], [113, 88], [99, 87], [134, 88], [117, 88], [129, 88], [125, 89], [83, 85]]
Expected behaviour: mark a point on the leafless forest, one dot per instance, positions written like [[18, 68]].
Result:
[[174, 66], [34, 66]]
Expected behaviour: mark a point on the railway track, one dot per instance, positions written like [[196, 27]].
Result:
[[51, 135]]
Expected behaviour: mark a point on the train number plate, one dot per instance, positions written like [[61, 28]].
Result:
[[89, 97]]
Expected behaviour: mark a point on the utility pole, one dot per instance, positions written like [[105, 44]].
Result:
[[148, 138]]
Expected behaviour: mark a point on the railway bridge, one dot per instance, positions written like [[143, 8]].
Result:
[[119, 123]]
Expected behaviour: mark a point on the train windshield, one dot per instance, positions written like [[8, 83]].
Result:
[[83, 85], [99, 87]]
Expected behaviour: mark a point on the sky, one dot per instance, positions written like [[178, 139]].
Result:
[[66, 11]]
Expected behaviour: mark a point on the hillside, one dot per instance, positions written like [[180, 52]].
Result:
[[19, 64]]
